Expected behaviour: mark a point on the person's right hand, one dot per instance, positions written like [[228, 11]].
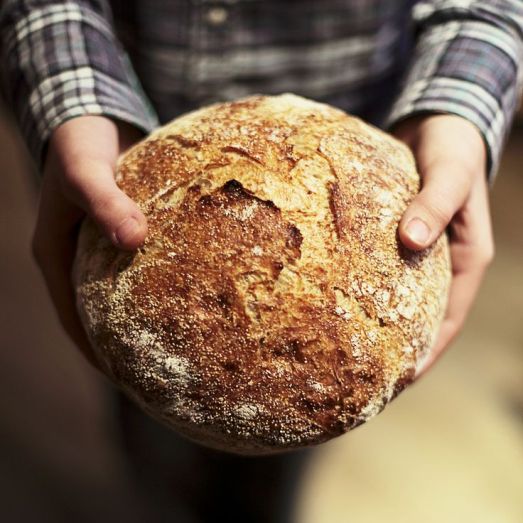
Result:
[[78, 179]]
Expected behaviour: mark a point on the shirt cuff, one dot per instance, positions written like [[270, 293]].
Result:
[[62, 61], [470, 69]]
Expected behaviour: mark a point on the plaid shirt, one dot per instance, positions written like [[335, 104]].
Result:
[[383, 60]]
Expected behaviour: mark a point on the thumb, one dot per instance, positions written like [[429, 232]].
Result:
[[94, 189], [445, 189]]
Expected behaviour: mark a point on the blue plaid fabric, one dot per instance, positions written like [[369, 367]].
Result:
[[383, 60]]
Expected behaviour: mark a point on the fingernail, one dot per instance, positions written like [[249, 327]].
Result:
[[126, 230], [418, 231]]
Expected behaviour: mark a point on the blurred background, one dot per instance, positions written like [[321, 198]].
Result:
[[450, 449]]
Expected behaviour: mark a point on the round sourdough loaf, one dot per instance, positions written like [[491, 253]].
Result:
[[271, 306]]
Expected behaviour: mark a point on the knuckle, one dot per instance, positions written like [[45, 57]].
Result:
[[106, 205], [440, 211], [455, 326], [482, 253], [486, 255]]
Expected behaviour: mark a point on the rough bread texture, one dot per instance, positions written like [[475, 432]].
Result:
[[272, 306]]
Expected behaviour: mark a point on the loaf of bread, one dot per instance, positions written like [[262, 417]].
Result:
[[272, 306]]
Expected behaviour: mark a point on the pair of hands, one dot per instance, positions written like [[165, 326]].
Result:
[[79, 179]]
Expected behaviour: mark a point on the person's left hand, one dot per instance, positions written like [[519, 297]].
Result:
[[451, 159]]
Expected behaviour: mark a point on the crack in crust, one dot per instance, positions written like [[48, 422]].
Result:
[[271, 307]]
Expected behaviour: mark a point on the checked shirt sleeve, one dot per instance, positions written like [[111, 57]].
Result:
[[468, 61], [61, 60]]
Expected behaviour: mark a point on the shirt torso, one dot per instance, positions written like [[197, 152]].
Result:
[[187, 53]]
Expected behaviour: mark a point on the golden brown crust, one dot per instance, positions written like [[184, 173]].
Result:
[[271, 306]]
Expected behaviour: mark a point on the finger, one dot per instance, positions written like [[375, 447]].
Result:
[[445, 188], [84, 151], [92, 186], [472, 250], [54, 254]]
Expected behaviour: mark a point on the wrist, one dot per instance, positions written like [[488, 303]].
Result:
[[446, 136], [89, 138]]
